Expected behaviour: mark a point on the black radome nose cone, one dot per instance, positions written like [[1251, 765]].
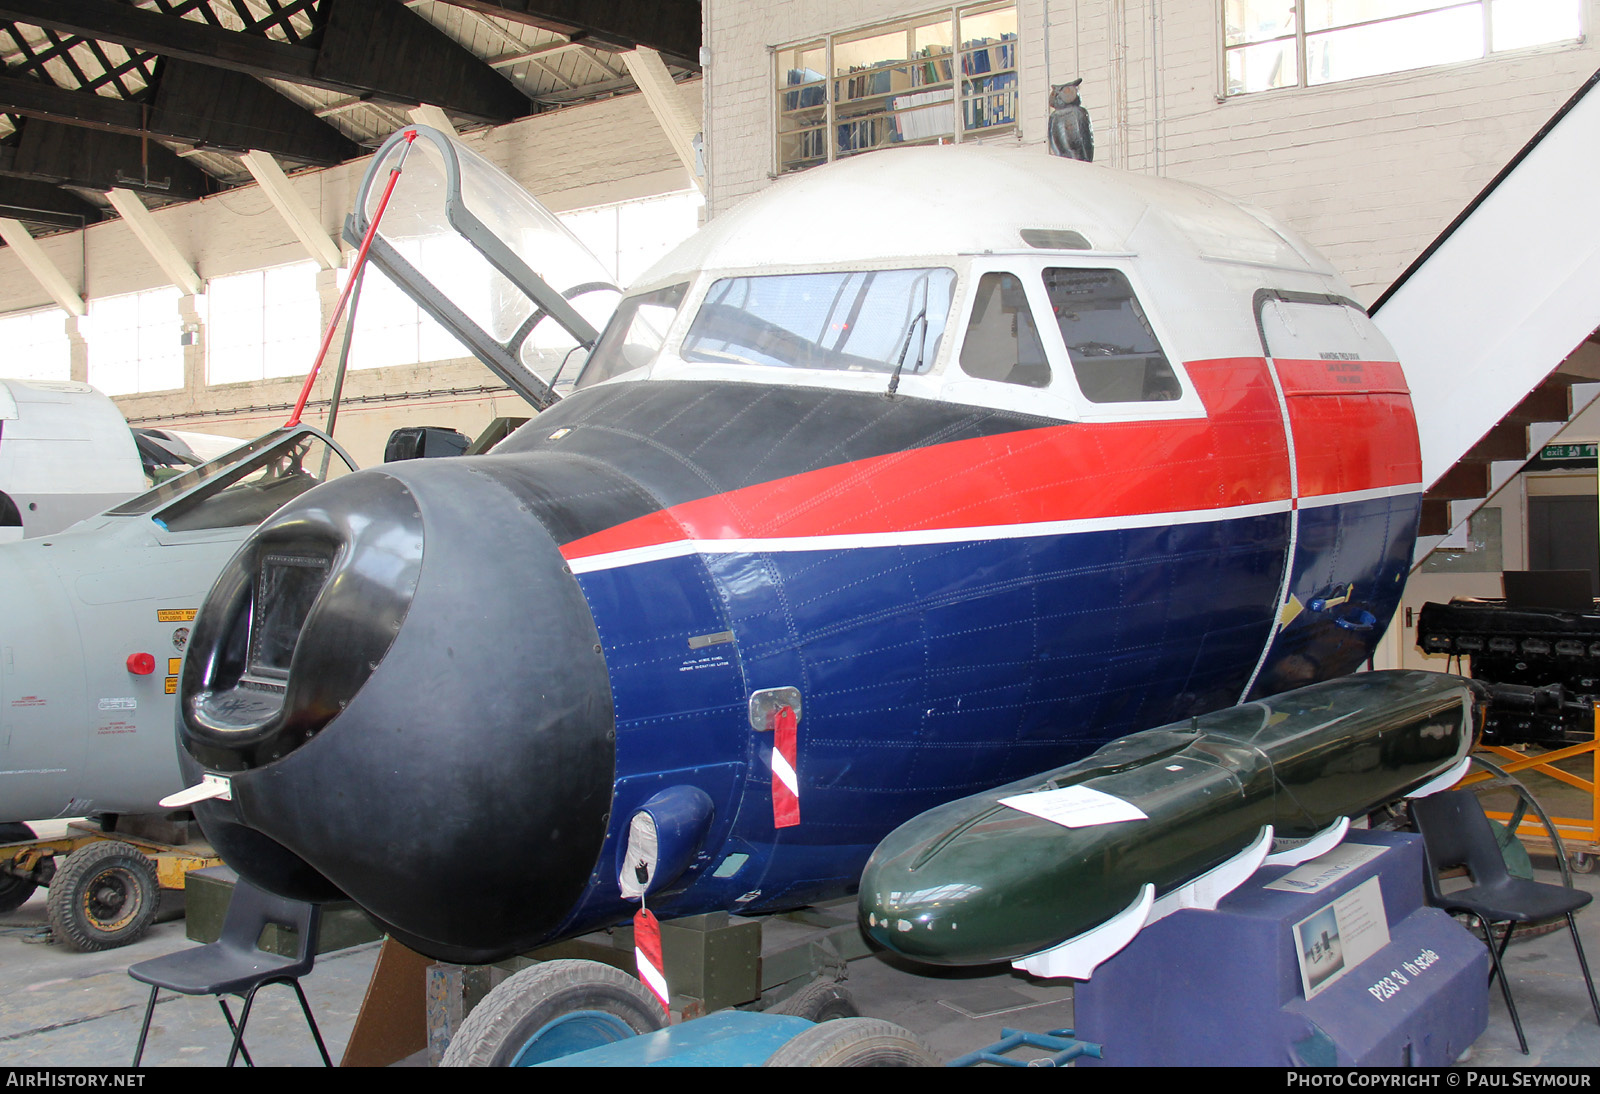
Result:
[[458, 784]]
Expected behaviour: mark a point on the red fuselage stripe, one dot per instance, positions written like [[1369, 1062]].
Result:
[[1235, 456]]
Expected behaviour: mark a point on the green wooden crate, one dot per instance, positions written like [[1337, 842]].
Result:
[[206, 896]]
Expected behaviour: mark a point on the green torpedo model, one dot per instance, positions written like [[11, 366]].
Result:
[[978, 880]]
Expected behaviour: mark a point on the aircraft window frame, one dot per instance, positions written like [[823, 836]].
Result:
[[614, 339], [986, 323], [1082, 364], [277, 474], [934, 340], [1063, 399], [183, 492]]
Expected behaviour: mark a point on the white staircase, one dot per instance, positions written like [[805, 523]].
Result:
[[1496, 321]]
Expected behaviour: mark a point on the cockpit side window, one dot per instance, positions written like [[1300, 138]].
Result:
[[634, 336], [1002, 341], [1113, 348]]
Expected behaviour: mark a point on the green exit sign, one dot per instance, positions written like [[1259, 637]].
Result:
[[1569, 451]]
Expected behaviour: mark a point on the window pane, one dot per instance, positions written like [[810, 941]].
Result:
[[988, 27], [870, 52], [803, 108], [36, 346], [1330, 14], [1245, 21], [1262, 67], [800, 66], [634, 335], [932, 39], [897, 85], [262, 324], [233, 328], [1416, 41], [989, 102], [292, 319], [1002, 340], [1114, 353], [386, 323], [1515, 24], [873, 320], [134, 342], [160, 341]]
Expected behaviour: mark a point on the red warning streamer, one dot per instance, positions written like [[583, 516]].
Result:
[[647, 955], [785, 783]]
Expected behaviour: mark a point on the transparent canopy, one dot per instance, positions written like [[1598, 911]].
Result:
[[243, 486], [496, 268]]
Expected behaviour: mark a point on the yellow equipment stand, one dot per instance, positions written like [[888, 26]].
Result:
[[1581, 835]]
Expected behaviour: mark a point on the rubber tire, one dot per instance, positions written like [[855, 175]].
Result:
[[819, 1001], [79, 925], [498, 1028], [15, 891], [854, 1042]]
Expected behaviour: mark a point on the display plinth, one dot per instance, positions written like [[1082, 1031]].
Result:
[[1226, 987]]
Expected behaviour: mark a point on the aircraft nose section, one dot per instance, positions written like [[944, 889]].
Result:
[[389, 653]]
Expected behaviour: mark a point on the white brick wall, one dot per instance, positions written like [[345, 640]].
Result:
[[1369, 170]]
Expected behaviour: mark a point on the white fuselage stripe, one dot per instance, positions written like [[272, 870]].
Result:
[[911, 537]]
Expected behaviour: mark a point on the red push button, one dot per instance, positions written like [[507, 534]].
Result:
[[141, 664]]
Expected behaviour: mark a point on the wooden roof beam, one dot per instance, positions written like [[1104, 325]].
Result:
[[32, 256], [205, 107], [295, 212], [156, 241], [670, 27], [374, 47], [95, 160], [40, 203], [666, 103]]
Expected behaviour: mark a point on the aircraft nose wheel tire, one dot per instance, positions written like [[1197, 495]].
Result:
[[552, 1010], [103, 895], [14, 891], [854, 1042], [819, 1001]]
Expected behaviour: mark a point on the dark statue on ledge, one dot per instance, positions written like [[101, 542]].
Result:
[[1070, 135]]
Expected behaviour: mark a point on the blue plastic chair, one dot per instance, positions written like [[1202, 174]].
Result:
[[1455, 832]]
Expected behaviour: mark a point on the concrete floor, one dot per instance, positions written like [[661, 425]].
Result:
[[62, 1009]]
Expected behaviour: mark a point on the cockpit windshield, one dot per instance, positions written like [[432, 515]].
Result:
[[858, 320], [243, 487]]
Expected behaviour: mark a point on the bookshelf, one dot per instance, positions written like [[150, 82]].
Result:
[[904, 83]]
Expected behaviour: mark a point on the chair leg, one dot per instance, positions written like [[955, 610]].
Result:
[[305, 1008], [1583, 963], [1505, 984], [144, 1030], [1505, 944], [238, 1033]]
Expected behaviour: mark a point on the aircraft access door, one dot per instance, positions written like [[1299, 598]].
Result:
[[1356, 471]]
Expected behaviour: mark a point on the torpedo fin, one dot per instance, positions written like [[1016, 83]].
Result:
[[1078, 957], [1456, 773], [1210, 887], [1319, 844]]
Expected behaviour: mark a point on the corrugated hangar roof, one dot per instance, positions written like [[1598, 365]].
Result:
[[160, 96]]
